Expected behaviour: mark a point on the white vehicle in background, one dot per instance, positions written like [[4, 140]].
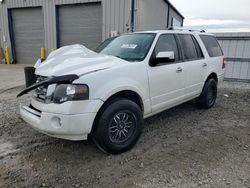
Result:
[[107, 95]]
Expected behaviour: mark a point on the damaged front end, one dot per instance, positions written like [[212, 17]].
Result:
[[50, 109], [66, 79]]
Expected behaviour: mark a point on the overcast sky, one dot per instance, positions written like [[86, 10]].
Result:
[[215, 15]]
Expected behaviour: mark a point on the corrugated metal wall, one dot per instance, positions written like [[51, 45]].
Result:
[[116, 14], [173, 14], [236, 47], [151, 15], [116, 17]]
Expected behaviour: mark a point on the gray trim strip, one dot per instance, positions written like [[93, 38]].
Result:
[[237, 80], [233, 37], [238, 59]]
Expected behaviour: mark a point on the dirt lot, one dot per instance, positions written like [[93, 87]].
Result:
[[181, 147]]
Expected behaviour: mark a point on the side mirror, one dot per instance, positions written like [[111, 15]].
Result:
[[163, 57]]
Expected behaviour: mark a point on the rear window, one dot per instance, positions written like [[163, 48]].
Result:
[[212, 46]]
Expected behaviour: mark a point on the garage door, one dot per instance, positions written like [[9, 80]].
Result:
[[27, 34], [80, 24]]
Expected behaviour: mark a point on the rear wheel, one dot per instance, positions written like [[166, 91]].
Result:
[[119, 127], [208, 96]]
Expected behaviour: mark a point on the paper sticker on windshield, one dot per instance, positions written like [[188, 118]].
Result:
[[129, 46]]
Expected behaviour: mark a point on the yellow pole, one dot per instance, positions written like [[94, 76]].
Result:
[[42, 52], [7, 55]]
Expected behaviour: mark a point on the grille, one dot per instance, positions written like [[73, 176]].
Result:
[[41, 92]]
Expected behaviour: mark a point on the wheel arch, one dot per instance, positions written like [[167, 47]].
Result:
[[124, 94], [212, 75]]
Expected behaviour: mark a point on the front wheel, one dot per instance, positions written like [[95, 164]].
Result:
[[208, 96], [119, 127]]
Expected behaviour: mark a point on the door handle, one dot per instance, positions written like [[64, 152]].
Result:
[[179, 70], [204, 65]]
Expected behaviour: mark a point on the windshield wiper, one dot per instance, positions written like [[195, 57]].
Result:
[[118, 56]]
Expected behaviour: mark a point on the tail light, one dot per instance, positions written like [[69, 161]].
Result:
[[224, 63]]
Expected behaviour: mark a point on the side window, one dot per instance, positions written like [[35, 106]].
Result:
[[212, 45], [167, 43], [188, 47]]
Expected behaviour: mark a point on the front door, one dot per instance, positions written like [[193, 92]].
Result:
[[166, 80]]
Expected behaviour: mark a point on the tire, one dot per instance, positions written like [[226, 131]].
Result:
[[208, 96], [119, 127]]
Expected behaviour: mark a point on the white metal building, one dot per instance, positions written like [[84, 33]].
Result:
[[236, 47], [28, 25]]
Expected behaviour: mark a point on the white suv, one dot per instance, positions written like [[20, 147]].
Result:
[[108, 94]]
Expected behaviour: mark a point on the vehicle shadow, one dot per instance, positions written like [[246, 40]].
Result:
[[83, 149]]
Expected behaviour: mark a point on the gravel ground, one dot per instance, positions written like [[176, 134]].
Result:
[[181, 147]]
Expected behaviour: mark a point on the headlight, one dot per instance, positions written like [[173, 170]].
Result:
[[70, 92]]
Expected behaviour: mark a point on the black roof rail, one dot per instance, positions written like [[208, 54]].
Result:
[[186, 29]]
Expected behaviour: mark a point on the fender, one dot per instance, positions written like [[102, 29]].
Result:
[[112, 92], [146, 101]]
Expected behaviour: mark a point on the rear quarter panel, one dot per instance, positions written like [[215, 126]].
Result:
[[214, 63]]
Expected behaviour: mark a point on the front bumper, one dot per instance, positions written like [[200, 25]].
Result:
[[65, 126]]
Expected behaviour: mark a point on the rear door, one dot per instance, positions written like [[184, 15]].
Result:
[[166, 80], [194, 65]]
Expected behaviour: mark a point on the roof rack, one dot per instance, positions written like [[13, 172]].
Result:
[[186, 29]]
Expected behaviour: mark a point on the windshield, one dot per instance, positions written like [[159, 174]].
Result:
[[130, 47], [104, 44]]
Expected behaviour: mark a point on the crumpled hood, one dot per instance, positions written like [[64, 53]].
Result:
[[76, 59]]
